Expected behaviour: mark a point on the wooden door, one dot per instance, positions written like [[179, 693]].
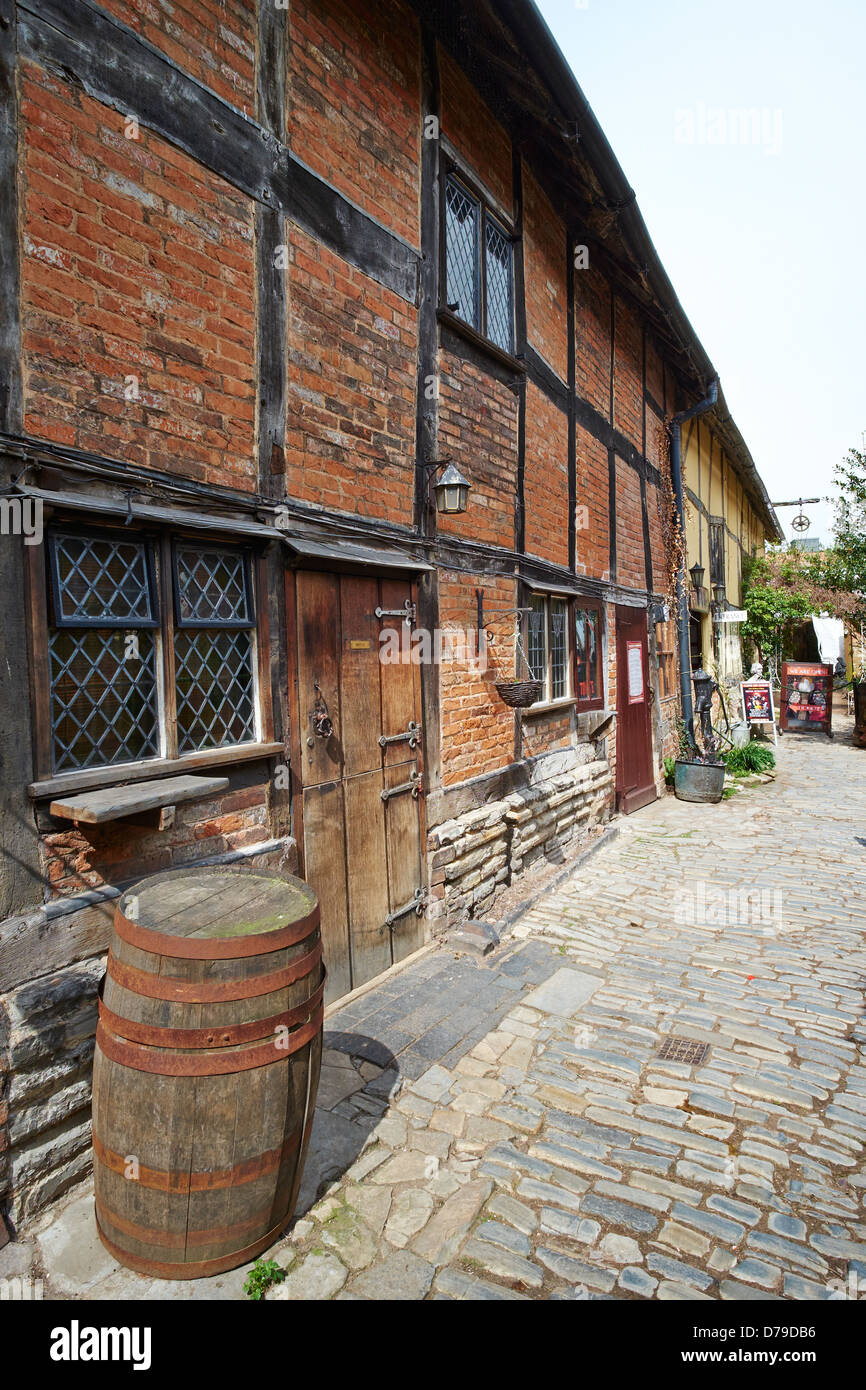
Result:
[[635, 783], [361, 773]]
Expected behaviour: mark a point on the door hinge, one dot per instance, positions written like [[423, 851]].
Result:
[[414, 785], [413, 734], [416, 904], [407, 612]]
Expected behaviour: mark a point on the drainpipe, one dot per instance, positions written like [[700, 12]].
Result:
[[682, 592]]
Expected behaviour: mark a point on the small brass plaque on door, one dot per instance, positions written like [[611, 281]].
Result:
[[359, 646]]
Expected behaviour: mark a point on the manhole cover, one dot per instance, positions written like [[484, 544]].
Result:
[[683, 1050]]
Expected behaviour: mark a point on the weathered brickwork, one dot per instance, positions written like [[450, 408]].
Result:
[[79, 858], [355, 103], [593, 507], [215, 43], [138, 290], [627, 374], [592, 297], [546, 478], [477, 728], [630, 563], [478, 421], [544, 733], [474, 132], [351, 403], [545, 254]]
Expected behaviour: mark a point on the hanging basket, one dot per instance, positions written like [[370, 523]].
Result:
[[518, 694]]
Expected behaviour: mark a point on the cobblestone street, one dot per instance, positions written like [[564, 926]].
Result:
[[530, 1141]]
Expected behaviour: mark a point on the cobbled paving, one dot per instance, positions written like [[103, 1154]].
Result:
[[559, 1157]]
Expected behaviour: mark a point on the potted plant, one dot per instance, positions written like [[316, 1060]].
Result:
[[699, 773]]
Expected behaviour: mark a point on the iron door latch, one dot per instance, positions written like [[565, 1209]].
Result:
[[416, 904], [407, 612], [414, 785], [412, 734]]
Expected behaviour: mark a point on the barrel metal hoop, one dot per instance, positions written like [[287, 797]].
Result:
[[182, 1182], [214, 947], [209, 991], [223, 1063], [153, 1035], [193, 1270], [183, 1240]]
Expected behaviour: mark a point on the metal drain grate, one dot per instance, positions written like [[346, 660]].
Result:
[[683, 1050]]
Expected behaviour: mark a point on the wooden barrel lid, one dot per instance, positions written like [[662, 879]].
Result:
[[203, 913]]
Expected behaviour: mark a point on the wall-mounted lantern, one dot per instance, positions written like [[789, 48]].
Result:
[[719, 595], [452, 489], [696, 574]]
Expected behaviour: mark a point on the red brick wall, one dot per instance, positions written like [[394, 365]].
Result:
[[654, 373], [546, 478], [593, 535], [592, 338], [78, 858], [214, 42], [630, 563], [478, 425], [474, 131], [351, 392], [136, 262], [542, 733], [627, 377], [477, 728], [355, 103], [545, 272]]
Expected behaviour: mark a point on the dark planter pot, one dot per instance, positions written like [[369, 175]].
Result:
[[698, 781], [859, 688]]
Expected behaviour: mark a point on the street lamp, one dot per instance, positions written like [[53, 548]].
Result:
[[696, 574]]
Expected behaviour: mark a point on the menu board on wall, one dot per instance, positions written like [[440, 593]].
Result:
[[807, 696]]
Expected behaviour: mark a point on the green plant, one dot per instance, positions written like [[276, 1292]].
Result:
[[669, 771], [263, 1274], [684, 749], [740, 762]]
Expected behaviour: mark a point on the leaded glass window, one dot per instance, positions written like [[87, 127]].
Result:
[[498, 297], [479, 277], [547, 646], [587, 655], [558, 649], [213, 649], [102, 652]]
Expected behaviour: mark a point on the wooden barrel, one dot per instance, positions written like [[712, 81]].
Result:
[[208, 1050]]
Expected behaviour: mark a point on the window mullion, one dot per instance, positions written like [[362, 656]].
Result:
[[482, 288], [166, 600]]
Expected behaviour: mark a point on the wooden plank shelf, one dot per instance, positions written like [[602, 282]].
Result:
[[112, 803]]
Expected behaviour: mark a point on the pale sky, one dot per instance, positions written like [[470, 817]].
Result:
[[763, 239]]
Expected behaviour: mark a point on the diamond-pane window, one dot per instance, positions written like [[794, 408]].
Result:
[[100, 582], [212, 588], [548, 646], [537, 645], [213, 648], [103, 697], [462, 215], [498, 292], [558, 649]]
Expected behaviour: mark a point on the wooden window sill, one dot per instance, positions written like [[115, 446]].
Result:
[[551, 706], [481, 341], [120, 774], [113, 803]]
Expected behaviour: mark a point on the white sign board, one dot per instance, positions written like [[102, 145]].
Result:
[[733, 615]]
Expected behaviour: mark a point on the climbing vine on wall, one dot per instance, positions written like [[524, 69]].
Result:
[[673, 539]]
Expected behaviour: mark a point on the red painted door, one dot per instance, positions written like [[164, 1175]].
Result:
[[635, 783]]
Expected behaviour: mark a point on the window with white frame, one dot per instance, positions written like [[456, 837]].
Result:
[[147, 661], [547, 646], [479, 277]]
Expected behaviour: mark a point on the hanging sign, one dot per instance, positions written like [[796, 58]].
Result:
[[635, 673], [758, 703], [807, 696], [733, 615]]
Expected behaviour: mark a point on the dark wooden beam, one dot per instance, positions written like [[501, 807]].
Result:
[[544, 377], [647, 544], [427, 386], [116, 67], [520, 348], [272, 262], [611, 453], [11, 399], [572, 392]]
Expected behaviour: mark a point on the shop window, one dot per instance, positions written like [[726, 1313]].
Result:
[[479, 274], [589, 677], [115, 697]]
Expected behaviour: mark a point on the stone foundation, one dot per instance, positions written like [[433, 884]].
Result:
[[475, 856], [51, 962]]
